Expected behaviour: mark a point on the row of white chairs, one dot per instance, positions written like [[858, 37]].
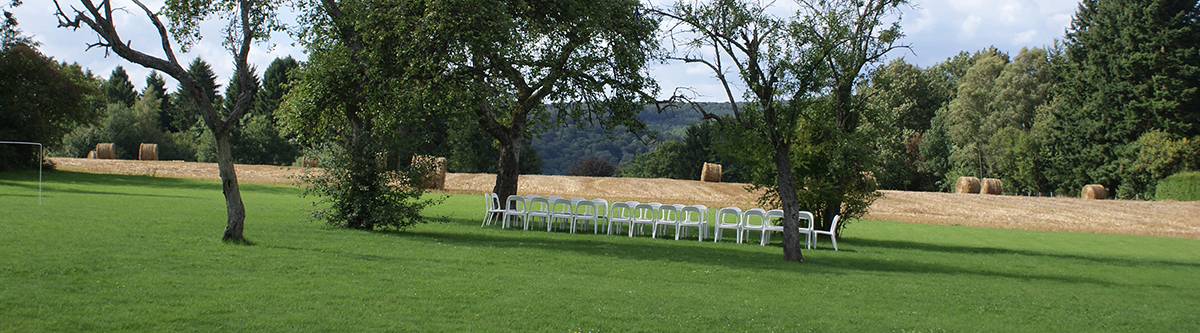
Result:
[[549, 210]]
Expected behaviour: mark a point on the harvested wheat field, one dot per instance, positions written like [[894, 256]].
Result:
[[1154, 218]]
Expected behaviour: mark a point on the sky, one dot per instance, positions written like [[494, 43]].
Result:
[[934, 30]]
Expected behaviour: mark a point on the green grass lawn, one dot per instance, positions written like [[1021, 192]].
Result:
[[128, 253]]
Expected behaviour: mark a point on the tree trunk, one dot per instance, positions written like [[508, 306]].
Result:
[[508, 170], [786, 186], [229, 185]]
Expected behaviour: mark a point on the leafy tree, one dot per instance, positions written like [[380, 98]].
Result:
[[969, 109], [42, 100], [248, 22], [906, 99], [510, 59], [852, 36], [779, 71], [118, 89], [275, 83], [157, 87], [357, 95], [662, 162], [1132, 67]]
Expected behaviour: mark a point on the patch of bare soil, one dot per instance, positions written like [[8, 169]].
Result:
[[1154, 218]]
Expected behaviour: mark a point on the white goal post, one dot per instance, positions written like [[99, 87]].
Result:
[[41, 160]]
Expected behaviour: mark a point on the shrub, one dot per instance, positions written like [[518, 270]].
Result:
[[1183, 186], [592, 167]]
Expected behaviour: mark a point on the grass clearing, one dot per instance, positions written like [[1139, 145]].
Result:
[[109, 252]]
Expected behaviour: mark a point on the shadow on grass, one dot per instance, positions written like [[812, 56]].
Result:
[[706, 253], [58, 189], [53, 178], [907, 245]]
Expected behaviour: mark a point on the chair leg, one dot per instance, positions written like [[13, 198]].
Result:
[[834, 239]]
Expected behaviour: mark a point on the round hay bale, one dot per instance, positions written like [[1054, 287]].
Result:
[[92, 155], [967, 185], [308, 161], [991, 186], [1094, 191], [711, 173], [148, 152], [435, 178], [105, 151]]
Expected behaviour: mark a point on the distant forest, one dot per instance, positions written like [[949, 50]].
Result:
[[560, 148]]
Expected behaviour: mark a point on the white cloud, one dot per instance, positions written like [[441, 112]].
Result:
[[1024, 37], [968, 27]]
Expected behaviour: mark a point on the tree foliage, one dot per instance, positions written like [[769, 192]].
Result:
[[1132, 67], [358, 97], [42, 100], [118, 89], [510, 59]]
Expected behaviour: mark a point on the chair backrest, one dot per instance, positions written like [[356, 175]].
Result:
[[602, 208], [668, 213], [749, 220], [538, 204], [554, 198], [585, 208], [561, 205], [645, 211], [620, 211], [691, 214], [516, 203], [487, 198], [833, 226], [495, 198], [773, 214], [804, 215], [724, 214]]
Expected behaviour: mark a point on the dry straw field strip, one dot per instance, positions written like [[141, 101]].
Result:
[[1154, 218]]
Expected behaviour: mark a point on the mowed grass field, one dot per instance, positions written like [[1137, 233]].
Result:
[[133, 253]]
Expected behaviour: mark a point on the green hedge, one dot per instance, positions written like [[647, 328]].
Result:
[[1183, 186]]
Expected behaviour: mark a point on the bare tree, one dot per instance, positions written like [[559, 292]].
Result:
[[247, 24]]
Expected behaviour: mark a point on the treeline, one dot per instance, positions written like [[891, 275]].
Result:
[[127, 118], [1115, 103]]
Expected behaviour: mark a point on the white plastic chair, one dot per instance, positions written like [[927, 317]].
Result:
[[667, 215], [807, 231], [832, 232], [584, 210], [620, 212], [537, 207], [645, 213], [805, 217], [771, 225], [561, 211], [693, 216], [723, 222], [515, 208], [493, 209], [602, 212], [753, 219]]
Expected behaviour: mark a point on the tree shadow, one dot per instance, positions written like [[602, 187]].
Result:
[[909, 245], [56, 178], [706, 253]]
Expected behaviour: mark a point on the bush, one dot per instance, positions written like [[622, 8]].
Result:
[[1183, 186], [592, 167]]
